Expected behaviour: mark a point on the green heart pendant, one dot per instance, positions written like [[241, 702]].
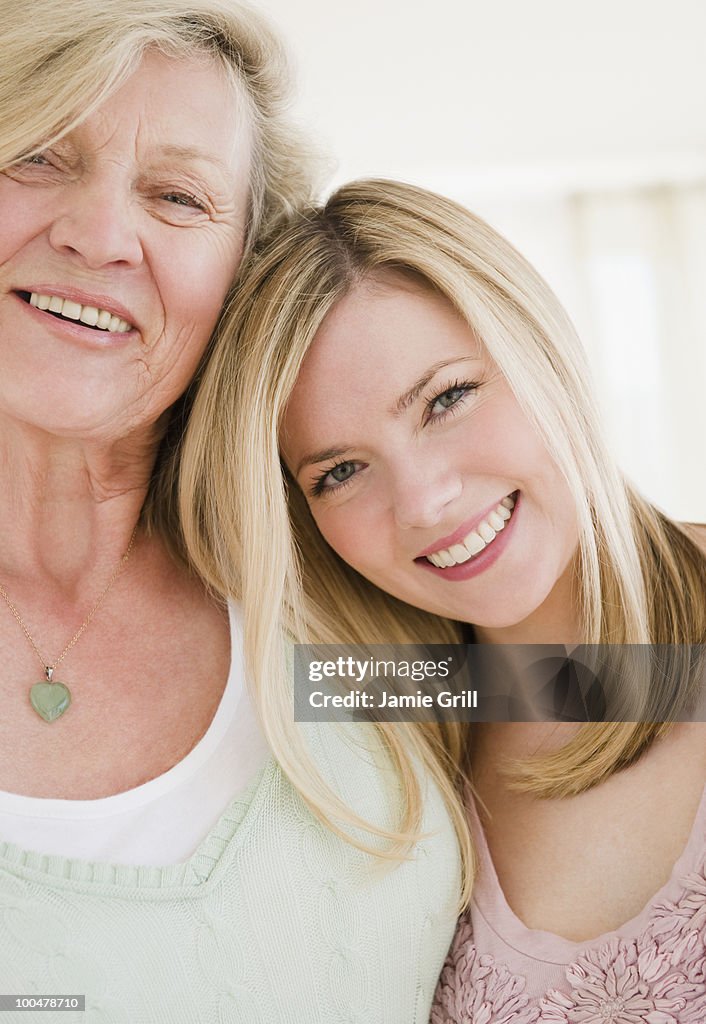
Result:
[[50, 700]]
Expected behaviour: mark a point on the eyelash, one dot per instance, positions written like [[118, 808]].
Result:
[[467, 387], [319, 488], [40, 159], [184, 199]]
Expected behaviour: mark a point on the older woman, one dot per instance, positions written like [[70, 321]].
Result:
[[153, 856], [441, 455]]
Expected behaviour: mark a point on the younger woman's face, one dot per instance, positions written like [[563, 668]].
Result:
[[419, 466]]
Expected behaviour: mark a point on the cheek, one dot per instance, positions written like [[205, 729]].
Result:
[[353, 535], [514, 452], [503, 444], [21, 220], [193, 284]]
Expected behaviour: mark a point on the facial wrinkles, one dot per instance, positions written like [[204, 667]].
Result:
[[127, 177], [153, 165], [189, 257]]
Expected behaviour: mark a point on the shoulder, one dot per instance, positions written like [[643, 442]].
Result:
[[322, 889], [355, 760]]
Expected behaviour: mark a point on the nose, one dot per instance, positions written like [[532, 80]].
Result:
[[95, 224], [422, 492]]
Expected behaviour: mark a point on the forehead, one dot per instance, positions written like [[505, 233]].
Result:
[[175, 109], [372, 346], [391, 324]]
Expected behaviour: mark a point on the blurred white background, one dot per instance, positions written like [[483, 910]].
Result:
[[579, 131]]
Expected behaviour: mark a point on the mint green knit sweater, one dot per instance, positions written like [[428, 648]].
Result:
[[274, 920]]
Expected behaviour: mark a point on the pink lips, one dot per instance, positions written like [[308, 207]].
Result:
[[463, 530], [78, 333], [486, 558], [99, 301]]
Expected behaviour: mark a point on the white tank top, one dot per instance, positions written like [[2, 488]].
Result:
[[164, 820]]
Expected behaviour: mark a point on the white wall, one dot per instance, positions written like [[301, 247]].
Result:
[[452, 90], [577, 129]]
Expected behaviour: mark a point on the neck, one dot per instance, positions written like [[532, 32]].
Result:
[[67, 508]]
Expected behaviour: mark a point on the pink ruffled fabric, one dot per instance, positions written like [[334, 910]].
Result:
[[657, 977], [474, 989]]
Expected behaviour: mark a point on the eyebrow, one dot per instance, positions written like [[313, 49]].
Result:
[[410, 396], [177, 152], [402, 403], [321, 456]]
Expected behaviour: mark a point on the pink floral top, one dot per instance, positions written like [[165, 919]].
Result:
[[651, 970]]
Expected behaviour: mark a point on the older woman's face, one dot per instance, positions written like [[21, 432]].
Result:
[[129, 230]]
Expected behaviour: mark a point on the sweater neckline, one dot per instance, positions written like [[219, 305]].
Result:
[[190, 877], [549, 947]]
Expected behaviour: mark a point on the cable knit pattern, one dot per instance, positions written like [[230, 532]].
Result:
[[274, 918], [656, 976]]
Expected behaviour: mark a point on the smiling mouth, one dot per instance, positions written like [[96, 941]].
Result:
[[74, 312], [478, 539]]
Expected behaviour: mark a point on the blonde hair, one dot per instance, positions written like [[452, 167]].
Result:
[[61, 59], [248, 526]]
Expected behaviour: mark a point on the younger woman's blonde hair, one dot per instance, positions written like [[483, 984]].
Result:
[[249, 530]]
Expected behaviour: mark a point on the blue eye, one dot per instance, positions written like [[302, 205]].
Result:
[[334, 478], [449, 398], [342, 472], [446, 401]]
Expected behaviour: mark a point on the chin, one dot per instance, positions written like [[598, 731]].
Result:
[[70, 423], [514, 607], [65, 408]]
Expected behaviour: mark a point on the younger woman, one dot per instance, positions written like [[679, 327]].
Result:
[[440, 454]]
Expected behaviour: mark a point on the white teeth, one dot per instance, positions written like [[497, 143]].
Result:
[[90, 315], [459, 553], [71, 309], [478, 539], [487, 532], [474, 542]]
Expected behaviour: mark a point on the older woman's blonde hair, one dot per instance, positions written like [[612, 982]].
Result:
[[640, 578], [62, 58]]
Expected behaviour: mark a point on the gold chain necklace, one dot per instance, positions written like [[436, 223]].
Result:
[[50, 698]]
